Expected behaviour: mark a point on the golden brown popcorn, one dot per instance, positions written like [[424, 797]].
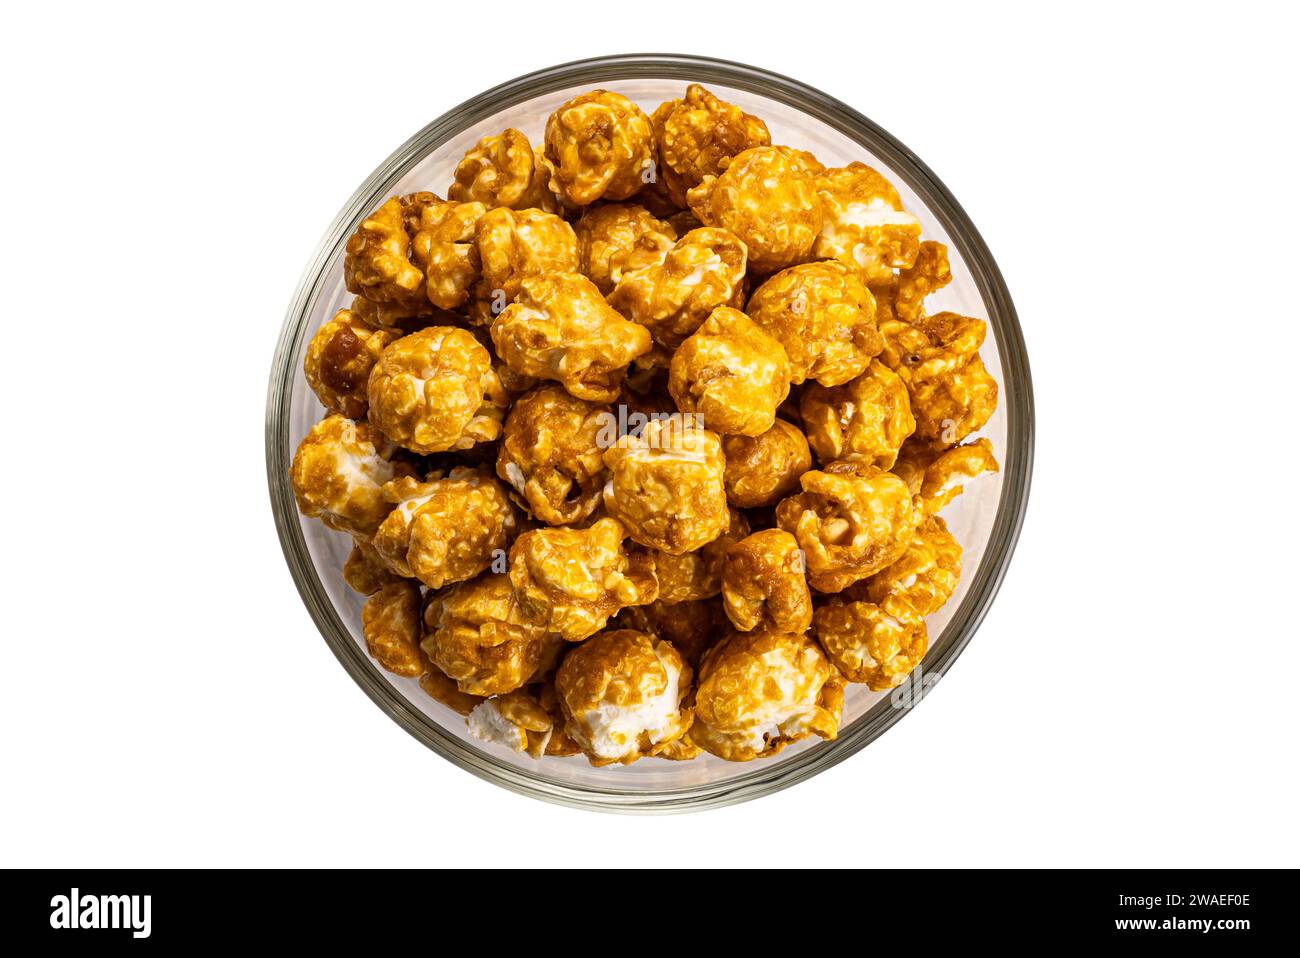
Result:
[[929, 273], [759, 691], [763, 584], [868, 644], [515, 720], [404, 318], [560, 742], [867, 418], [945, 477], [601, 147], [514, 245], [623, 694], [767, 196], [824, 317], [338, 474], [938, 358], [675, 294], [866, 227], [551, 453], [377, 262], [436, 390], [684, 221], [573, 580], [666, 485], [364, 571], [693, 627], [698, 135], [445, 248], [390, 622], [851, 520], [505, 170], [561, 328], [698, 574], [445, 691], [920, 582], [762, 469], [616, 238], [731, 373], [339, 359], [446, 530], [479, 634]]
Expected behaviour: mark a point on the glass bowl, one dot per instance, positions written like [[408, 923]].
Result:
[[986, 519]]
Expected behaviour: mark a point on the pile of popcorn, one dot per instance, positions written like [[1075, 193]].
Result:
[[642, 435]]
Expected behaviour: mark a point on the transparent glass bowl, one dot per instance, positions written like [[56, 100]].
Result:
[[986, 519]]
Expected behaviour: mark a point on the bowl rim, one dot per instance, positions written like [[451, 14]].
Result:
[[1017, 397]]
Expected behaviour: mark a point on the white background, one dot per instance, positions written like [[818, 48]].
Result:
[[1130, 699]]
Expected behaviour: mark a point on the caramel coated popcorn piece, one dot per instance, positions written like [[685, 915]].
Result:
[[824, 316], [617, 238], [928, 274], [623, 693], [561, 328], [377, 260], [601, 146], [445, 530], [390, 622], [339, 359], [867, 644], [731, 373], [573, 580], [551, 454], [851, 520], [480, 636], [515, 720], [445, 691], [693, 627], [938, 358], [364, 571], [697, 575], [767, 196], [436, 390], [868, 418], [763, 584], [675, 294], [514, 245], [666, 485], [866, 227], [338, 475], [505, 170], [698, 135], [920, 582], [445, 248], [762, 469], [759, 691]]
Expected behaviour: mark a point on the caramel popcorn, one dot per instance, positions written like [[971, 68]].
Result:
[[938, 358], [698, 135], [447, 529], [364, 571], [851, 520], [767, 196], [573, 580], [390, 622], [693, 626], [339, 359], [675, 294], [929, 273], [937, 479], [698, 574], [338, 475], [763, 584], [759, 691], [923, 579], [617, 238], [731, 373], [514, 245], [824, 317], [561, 328], [551, 454], [445, 691], [445, 248], [377, 262], [666, 486], [435, 390], [403, 318], [866, 227], [623, 694], [515, 720], [481, 636], [601, 146], [762, 469], [869, 645], [868, 418], [505, 170]]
